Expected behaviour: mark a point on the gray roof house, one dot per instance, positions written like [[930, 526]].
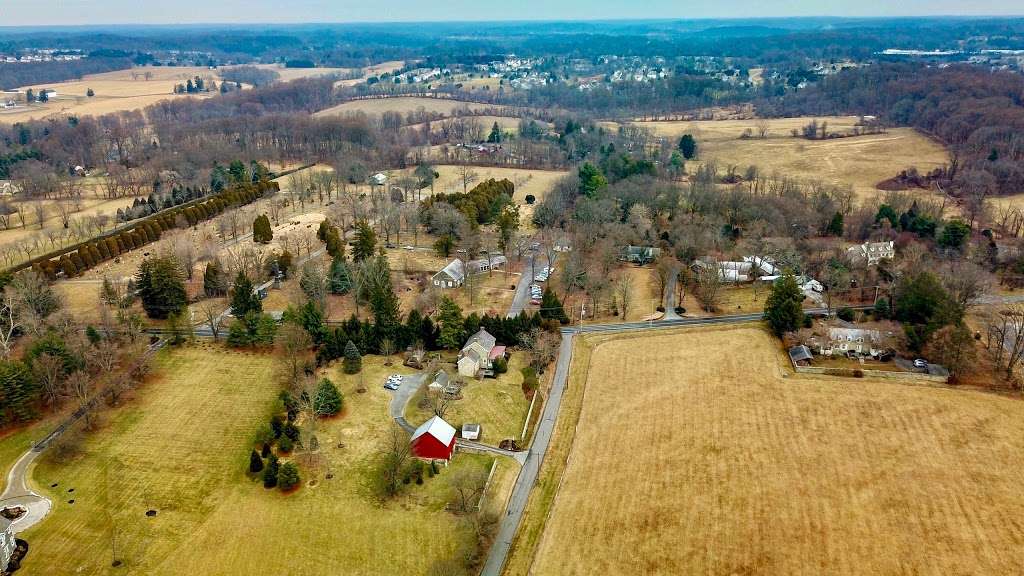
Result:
[[451, 276], [639, 254]]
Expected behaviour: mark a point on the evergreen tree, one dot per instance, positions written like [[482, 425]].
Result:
[[243, 297], [161, 287], [688, 146], [261, 230], [365, 242], [591, 180], [19, 392], [495, 136], [783, 309], [288, 477], [551, 307], [340, 277], [265, 451], [353, 362], [270, 472], [449, 316], [215, 280], [328, 400], [954, 234], [255, 462]]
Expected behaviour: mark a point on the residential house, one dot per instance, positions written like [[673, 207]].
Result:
[[451, 276], [872, 252], [7, 543], [478, 355], [857, 341], [433, 440], [639, 254]]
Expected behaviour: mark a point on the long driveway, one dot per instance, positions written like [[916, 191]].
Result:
[[513, 517], [522, 295]]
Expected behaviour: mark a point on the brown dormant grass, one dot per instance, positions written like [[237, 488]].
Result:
[[860, 162], [401, 105], [695, 455]]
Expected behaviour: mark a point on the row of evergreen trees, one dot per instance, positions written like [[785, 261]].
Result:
[[482, 204], [87, 255]]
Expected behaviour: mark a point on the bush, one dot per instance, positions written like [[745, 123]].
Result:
[[277, 425], [255, 462], [530, 199], [500, 365], [808, 321], [270, 472], [285, 445], [680, 310], [291, 432], [288, 477], [660, 308], [858, 373], [266, 450], [845, 314]]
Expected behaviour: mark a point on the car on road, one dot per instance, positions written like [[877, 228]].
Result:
[[390, 385], [919, 363], [408, 247]]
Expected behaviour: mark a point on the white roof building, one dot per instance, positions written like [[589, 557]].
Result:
[[436, 427]]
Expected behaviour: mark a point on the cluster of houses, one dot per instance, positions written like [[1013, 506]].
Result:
[[435, 438]]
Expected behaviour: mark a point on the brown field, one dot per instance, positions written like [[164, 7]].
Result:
[[860, 162], [114, 92], [536, 182], [712, 460], [402, 105], [180, 447], [643, 299], [289, 74]]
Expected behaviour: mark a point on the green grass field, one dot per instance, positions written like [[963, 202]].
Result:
[[181, 448]]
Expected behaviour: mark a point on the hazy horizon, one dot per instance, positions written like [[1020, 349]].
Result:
[[41, 13]]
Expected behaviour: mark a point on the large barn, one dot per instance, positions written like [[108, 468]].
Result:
[[434, 440]]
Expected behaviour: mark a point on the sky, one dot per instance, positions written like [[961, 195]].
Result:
[[80, 12]]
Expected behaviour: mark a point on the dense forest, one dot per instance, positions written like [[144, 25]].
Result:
[[16, 74]]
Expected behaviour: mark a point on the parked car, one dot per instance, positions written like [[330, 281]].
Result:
[[919, 363], [408, 247], [390, 385]]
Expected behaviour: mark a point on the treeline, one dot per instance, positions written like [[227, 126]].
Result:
[[979, 114], [87, 255], [17, 74], [249, 75]]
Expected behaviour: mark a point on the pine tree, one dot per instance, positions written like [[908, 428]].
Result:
[[340, 277], [288, 477], [551, 307], [255, 462], [782, 309], [365, 242], [243, 298], [449, 316], [161, 287], [215, 281], [353, 362], [270, 472], [835, 226], [328, 399], [266, 450], [261, 230]]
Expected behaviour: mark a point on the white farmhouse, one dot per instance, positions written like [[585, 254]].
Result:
[[872, 252], [478, 355]]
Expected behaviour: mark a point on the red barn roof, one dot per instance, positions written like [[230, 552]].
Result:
[[433, 440]]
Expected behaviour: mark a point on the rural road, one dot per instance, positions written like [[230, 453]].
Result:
[[510, 522], [522, 295], [17, 493], [670, 297]]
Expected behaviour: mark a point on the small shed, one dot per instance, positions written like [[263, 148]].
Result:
[[800, 355], [471, 431], [433, 440]]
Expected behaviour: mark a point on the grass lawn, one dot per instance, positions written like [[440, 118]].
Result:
[[497, 404], [726, 466], [181, 448]]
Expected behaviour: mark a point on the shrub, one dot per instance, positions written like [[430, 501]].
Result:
[[255, 462], [845, 314], [288, 477], [291, 432], [858, 373], [270, 472], [500, 365], [530, 198], [808, 322], [265, 452], [285, 445], [277, 425]]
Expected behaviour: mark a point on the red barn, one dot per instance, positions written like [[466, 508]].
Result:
[[434, 440]]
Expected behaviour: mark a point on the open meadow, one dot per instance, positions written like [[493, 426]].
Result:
[[180, 447], [120, 90], [699, 452], [403, 105], [860, 162]]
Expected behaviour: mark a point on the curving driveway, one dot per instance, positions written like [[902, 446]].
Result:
[[18, 493]]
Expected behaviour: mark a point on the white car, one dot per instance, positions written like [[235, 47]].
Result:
[[919, 363], [407, 247]]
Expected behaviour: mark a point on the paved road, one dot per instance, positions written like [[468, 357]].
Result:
[[18, 493], [534, 262], [509, 525], [400, 398]]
